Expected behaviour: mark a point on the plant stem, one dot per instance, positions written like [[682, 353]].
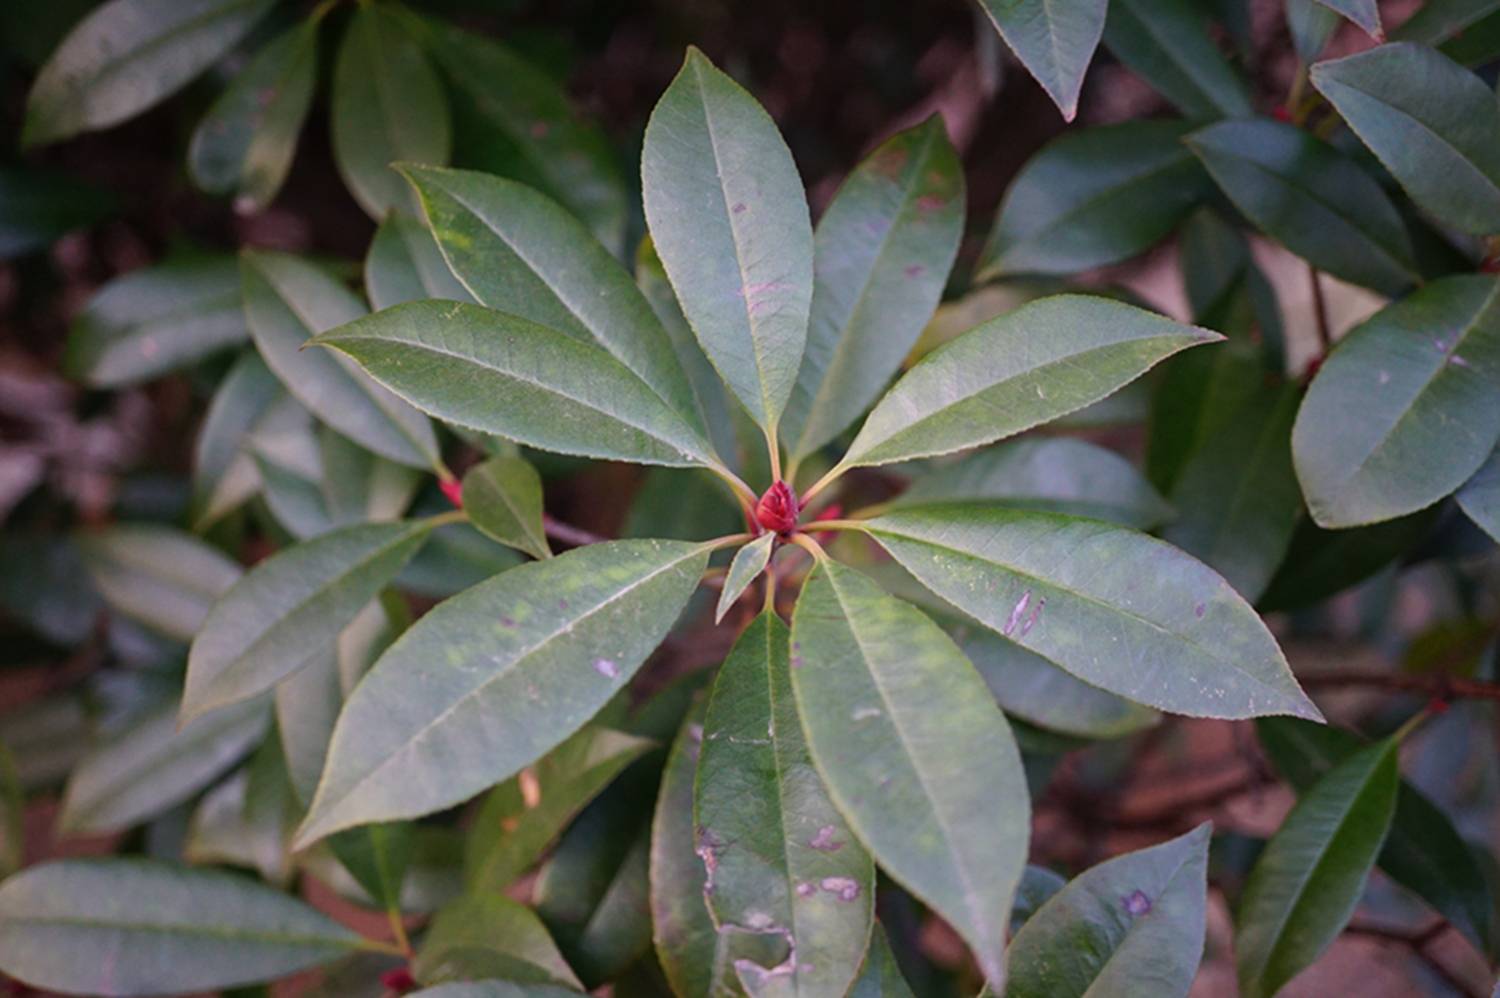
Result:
[[393, 914], [833, 475], [811, 546], [1441, 687], [1320, 309], [818, 526], [774, 449], [728, 541], [569, 534], [443, 519]]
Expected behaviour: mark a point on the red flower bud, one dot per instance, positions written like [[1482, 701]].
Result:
[[777, 510], [454, 490], [399, 980]]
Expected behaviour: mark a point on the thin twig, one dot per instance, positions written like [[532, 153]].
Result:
[[1441, 687], [569, 534], [1418, 942], [1320, 309]]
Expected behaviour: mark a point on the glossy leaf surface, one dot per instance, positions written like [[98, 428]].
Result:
[[503, 497]]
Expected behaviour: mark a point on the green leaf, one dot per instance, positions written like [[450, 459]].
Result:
[[505, 844], [519, 252], [377, 857], [1437, 21], [1129, 925], [492, 679], [155, 320], [1423, 852], [288, 609], [150, 928], [1306, 883], [153, 765], [454, 361], [224, 475], [1364, 13], [749, 561], [246, 141], [388, 106], [288, 300], [457, 557], [1070, 590], [404, 264], [489, 935], [1320, 563], [127, 56], [1166, 43], [1406, 408], [1093, 197], [247, 820], [359, 486], [780, 859], [1311, 25], [1238, 497], [12, 815], [157, 576], [1228, 291], [1054, 41], [1199, 392], [1043, 360], [1059, 474], [39, 206], [882, 253], [729, 219], [1311, 198], [880, 977], [1480, 496], [914, 753], [1434, 125], [503, 498]]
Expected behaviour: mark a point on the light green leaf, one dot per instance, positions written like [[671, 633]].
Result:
[[1308, 880], [288, 300], [224, 475], [882, 253], [1043, 360], [780, 859], [749, 561], [128, 55], [1480, 496], [1432, 123], [489, 935], [1311, 198], [503, 498], [880, 977], [361, 487], [1166, 43], [1406, 409], [1070, 590], [152, 766], [1094, 197], [914, 753], [455, 361], [157, 576], [729, 220], [155, 320], [1132, 924], [1311, 25], [388, 106], [1060, 474], [492, 679], [1364, 13], [288, 609], [1054, 41], [246, 141], [149, 928], [38, 206], [404, 264], [247, 820]]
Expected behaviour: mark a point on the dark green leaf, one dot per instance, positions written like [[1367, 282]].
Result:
[[358, 486], [128, 55], [1364, 13], [899, 724], [1432, 123], [1199, 392], [1320, 563], [1406, 408], [728, 217], [489, 935], [37, 207], [224, 474], [1436, 21], [749, 561], [457, 557], [1054, 41], [139, 927], [404, 264], [1166, 43], [247, 820], [685, 504], [44, 582], [1480, 496], [880, 977], [503, 497], [1311, 25], [377, 857], [1038, 884], [1094, 197], [157, 576]]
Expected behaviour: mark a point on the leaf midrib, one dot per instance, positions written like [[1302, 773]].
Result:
[[196, 929]]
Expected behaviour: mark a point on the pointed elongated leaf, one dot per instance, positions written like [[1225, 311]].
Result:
[[491, 680], [489, 935], [1432, 123], [503, 497], [126, 56], [377, 857], [729, 219], [1302, 192], [247, 820], [749, 561], [880, 977], [780, 859], [1308, 880], [223, 473], [287, 610], [1166, 42], [455, 361], [1311, 25], [1406, 409], [1365, 13], [1060, 474], [1437, 21], [245, 143], [404, 264], [1094, 197], [157, 576], [150, 928], [519, 252], [155, 320], [1054, 41], [1043, 360], [152, 766], [1133, 923], [287, 301], [361, 487], [882, 252], [1480, 496], [388, 106], [914, 753], [1320, 563], [1069, 590]]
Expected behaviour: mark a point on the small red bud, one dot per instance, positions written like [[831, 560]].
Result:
[[1490, 265], [830, 512], [1280, 113], [777, 510], [454, 490], [399, 980], [1436, 706]]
